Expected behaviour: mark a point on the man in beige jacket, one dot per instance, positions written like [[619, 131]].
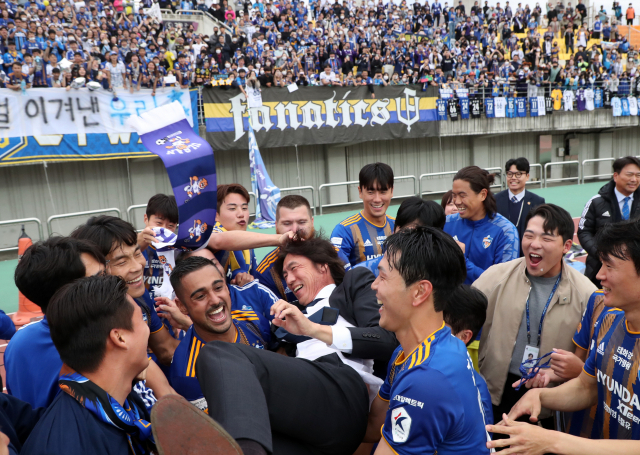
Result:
[[535, 304]]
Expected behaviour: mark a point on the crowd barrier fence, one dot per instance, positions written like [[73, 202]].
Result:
[[22, 221], [74, 214]]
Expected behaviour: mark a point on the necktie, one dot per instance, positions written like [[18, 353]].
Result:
[[625, 208], [514, 199]]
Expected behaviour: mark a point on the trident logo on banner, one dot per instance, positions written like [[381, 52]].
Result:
[[415, 109]]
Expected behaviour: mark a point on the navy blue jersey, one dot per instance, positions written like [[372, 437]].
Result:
[[488, 241], [489, 108], [614, 361], [182, 375], [67, 427], [234, 262], [434, 402], [154, 322], [359, 239], [253, 297], [154, 270], [17, 420], [533, 110], [464, 108], [587, 325], [442, 109]]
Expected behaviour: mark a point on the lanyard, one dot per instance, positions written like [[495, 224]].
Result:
[[544, 312]]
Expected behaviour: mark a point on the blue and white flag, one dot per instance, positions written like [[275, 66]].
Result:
[[267, 194], [189, 161]]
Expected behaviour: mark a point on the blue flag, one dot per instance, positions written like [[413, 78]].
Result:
[[267, 194], [189, 161]]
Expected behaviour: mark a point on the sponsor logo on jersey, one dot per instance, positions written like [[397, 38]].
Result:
[[409, 401], [381, 238], [486, 242], [337, 241], [368, 243], [601, 348], [400, 424], [246, 307], [606, 213]]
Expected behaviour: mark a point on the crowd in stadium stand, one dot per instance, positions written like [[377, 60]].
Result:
[[53, 43]]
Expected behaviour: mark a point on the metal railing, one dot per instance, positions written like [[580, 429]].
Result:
[[22, 221], [541, 176], [563, 179], [130, 218], [312, 202], [595, 176], [74, 214], [433, 174], [498, 174], [187, 14], [355, 182]]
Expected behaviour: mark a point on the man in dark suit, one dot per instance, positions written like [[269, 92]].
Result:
[[516, 202], [315, 402]]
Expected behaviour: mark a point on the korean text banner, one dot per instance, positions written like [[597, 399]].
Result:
[[66, 145], [319, 115]]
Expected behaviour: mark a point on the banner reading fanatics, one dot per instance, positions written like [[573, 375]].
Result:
[[319, 115]]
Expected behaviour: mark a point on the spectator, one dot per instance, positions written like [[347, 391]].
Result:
[[447, 203], [630, 15], [616, 201], [516, 202], [529, 297]]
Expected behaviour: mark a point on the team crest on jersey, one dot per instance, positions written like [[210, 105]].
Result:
[[400, 424], [486, 242], [195, 186]]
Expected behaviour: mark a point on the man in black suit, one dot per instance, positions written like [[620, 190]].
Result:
[[318, 401], [515, 202]]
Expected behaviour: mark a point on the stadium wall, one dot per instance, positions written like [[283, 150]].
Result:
[[90, 185]]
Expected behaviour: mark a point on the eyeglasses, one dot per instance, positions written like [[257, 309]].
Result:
[[515, 174]]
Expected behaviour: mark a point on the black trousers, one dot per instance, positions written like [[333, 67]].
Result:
[[288, 405]]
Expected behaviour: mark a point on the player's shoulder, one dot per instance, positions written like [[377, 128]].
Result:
[[351, 220], [504, 225], [268, 261]]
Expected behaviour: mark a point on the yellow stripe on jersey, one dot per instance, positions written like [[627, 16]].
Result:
[[349, 221], [195, 358], [193, 346], [420, 353], [268, 260]]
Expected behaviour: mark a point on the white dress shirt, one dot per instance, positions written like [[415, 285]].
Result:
[[620, 198], [518, 196], [313, 349]]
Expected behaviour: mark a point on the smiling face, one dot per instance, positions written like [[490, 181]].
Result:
[[516, 179], [128, 263], [376, 200], [542, 250], [470, 204], [620, 283], [628, 180], [159, 221], [234, 213], [305, 278], [394, 297], [204, 296]]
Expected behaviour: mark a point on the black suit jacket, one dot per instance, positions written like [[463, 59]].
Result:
[[358, 305], [531, 201]]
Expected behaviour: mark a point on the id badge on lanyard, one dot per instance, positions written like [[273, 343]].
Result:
[[531, 352]]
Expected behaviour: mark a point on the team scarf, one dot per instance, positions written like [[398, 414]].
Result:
[[127, 418]]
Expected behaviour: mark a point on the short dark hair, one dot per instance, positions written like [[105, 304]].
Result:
[[521, 164], [427, 253], [163, 206], [48, 265], [555, 219], [81, 316], [376, 172], [479, 180], [620, 163], [318, 250], [620, 240], [186, 266], [423, 213], [293, 201], [226, 190], [466, 309], [107, 232]]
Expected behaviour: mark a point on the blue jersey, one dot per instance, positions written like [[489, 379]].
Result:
[[434, 402], [372, 264], [359, 239], [511, 107], [154, 270], [625, 107], [234, 262], [487, 406], [521, 107], [33, 365], [442, 109], [533, 110], [613, 360], [464, 108], [182, 376], [597, 98], [7, 327], [253, 297], [488, 241], [489, 108], [154, 322], [268, 277]]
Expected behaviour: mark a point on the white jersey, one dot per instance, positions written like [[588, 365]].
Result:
[[589, 98], [501, 107], [541, 106], [568, 98], [616, 105], [117, 72], [633, 106]]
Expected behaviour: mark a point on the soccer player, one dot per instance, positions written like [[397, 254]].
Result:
[[465, 314], [360, 237], [31, 360], [413, 212], [430, 401], [118, 242], [609, 379], [101, 335], [293, 214], [203, 294], [233, 215]]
